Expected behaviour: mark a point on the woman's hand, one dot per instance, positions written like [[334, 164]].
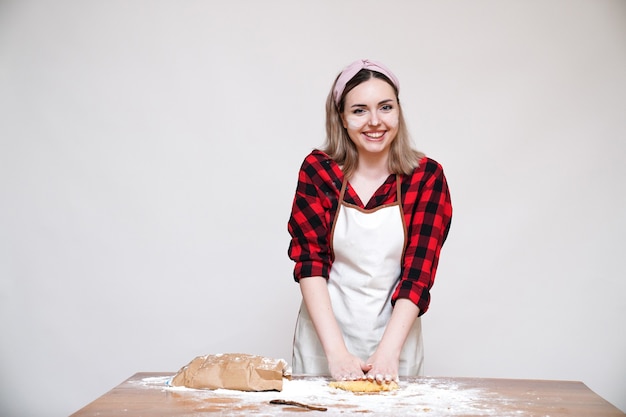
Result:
[[383, 367], [347, 367], [386, 359]]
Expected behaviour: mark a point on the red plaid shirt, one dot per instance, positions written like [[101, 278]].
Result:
[[427, 214]]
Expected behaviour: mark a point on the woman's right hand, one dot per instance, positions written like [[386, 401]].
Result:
[[347, 367]]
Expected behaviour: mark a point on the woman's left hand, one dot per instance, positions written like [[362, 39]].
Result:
[[386, 359], [384, 369]]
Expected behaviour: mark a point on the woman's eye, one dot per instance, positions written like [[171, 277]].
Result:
[[358, 111], [387, 107]]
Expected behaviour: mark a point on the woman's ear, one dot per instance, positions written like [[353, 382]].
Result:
[[343, 121]]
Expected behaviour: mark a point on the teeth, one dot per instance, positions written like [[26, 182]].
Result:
[[374, 134]]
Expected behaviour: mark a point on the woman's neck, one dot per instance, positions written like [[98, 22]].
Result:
[[373, 167]]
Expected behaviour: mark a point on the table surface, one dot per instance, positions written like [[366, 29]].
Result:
[[147, 394]]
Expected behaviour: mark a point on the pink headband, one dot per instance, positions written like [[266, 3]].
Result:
[[351, 70]]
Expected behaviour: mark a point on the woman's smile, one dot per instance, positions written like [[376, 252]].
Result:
[[374, 135]]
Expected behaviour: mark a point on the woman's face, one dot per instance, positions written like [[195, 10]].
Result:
[[370, 116]]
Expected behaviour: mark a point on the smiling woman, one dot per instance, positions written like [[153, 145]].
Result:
[[368, 222], [148, 161]]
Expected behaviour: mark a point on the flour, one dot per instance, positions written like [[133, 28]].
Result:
[[426, 397]]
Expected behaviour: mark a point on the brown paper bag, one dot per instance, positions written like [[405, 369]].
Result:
[[237, 371]]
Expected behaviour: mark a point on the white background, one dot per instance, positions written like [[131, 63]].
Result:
[[149, 152]]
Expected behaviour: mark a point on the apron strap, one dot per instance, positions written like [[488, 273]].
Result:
[[342, 193]]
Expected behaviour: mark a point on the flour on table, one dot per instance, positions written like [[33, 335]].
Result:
[[427, 397]]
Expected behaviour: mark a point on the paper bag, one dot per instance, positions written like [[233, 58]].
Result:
[[237, 371]]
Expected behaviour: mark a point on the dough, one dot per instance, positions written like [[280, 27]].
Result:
[[363, 386]]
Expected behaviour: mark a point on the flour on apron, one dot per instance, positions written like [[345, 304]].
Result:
[[368, 247]]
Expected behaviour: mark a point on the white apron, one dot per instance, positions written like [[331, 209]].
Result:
[[368, 246]]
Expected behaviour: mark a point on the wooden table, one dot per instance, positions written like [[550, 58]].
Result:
[[147, 394]]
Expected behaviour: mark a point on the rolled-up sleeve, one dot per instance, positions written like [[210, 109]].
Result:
[[310, 221], [428, 213]]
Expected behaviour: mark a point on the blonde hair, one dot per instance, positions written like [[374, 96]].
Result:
[[403, 159]]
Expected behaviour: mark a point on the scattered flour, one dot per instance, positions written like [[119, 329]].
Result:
[[428, 397]]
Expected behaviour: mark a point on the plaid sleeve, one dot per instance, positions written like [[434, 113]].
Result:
[[428, 213], [313, 209]]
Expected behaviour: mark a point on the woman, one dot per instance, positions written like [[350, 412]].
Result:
[[368, 221]]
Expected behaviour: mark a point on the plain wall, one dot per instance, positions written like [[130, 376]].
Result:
[[149, 152]]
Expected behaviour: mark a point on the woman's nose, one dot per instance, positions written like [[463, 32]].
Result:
[[374, 120]]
